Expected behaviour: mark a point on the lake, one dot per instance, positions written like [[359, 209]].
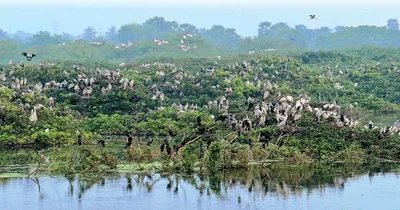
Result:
[[273, 187]]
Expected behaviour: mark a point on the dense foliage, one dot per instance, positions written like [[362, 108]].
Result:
[[81, 88]]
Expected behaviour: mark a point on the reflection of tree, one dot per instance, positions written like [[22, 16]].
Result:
[[4, 181], [275, 180], [280, 181], [146, 180], [71, 179], [129, 184], [86, 182]]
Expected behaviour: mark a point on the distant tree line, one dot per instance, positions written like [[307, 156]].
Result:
[[269, 35]]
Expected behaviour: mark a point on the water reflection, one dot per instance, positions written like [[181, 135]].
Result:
[[273, 187]]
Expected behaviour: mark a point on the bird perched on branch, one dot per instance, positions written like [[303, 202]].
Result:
[[171, 133], [200, 128]]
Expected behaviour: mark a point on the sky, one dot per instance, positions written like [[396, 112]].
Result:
[[73, 16]]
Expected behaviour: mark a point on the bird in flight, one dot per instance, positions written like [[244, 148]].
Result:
[[28, 56], [313, 17]]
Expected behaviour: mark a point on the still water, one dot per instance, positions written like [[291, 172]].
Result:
[[258, 188]]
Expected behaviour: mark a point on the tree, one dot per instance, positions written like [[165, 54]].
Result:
[[393, 24], [221, 36], [162, 26], [231, 37], [89, 34], [21, 36], [188, 28], [280, 31], [263, 28], [112, 34], [67, 36], [132, 32], [301, 35], [339, 28], [323, 31], [3, 34], [43, 38]]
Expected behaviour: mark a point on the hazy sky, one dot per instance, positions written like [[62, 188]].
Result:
[[73, 16]]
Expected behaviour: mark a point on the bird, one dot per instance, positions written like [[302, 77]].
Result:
[[250, 143], [28, 56], [168, 148], [162, 147], [171, 133], [198, 121], [76, 66], [102, 143], [150, 141], [313, 17]]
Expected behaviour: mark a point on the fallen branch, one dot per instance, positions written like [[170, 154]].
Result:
[[278, 140], [36, 170], [195, 139]]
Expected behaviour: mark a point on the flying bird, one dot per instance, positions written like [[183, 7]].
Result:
[[28, 56], [313, 17]]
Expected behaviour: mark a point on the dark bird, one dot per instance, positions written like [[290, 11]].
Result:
[[342, 117], [171, 134], [265, 139], [80, 139], [162, 147], [102, 143], [150, 142], [221, 118], [313, 17], [233, 124], [201, 153], [208, 143], [1, 69], [129, 140], [22, 65], [169, 150], [250, 143], [176, 147], [198, 121], [201, 130], [246, 124], [28, 56]]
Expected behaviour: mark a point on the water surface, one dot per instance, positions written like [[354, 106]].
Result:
[[258, 188]]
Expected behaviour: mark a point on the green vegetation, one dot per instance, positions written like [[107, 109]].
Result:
[[84, 90]]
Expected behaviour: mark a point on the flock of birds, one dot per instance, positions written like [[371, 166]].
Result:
[[182, 45], [285, 111]]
